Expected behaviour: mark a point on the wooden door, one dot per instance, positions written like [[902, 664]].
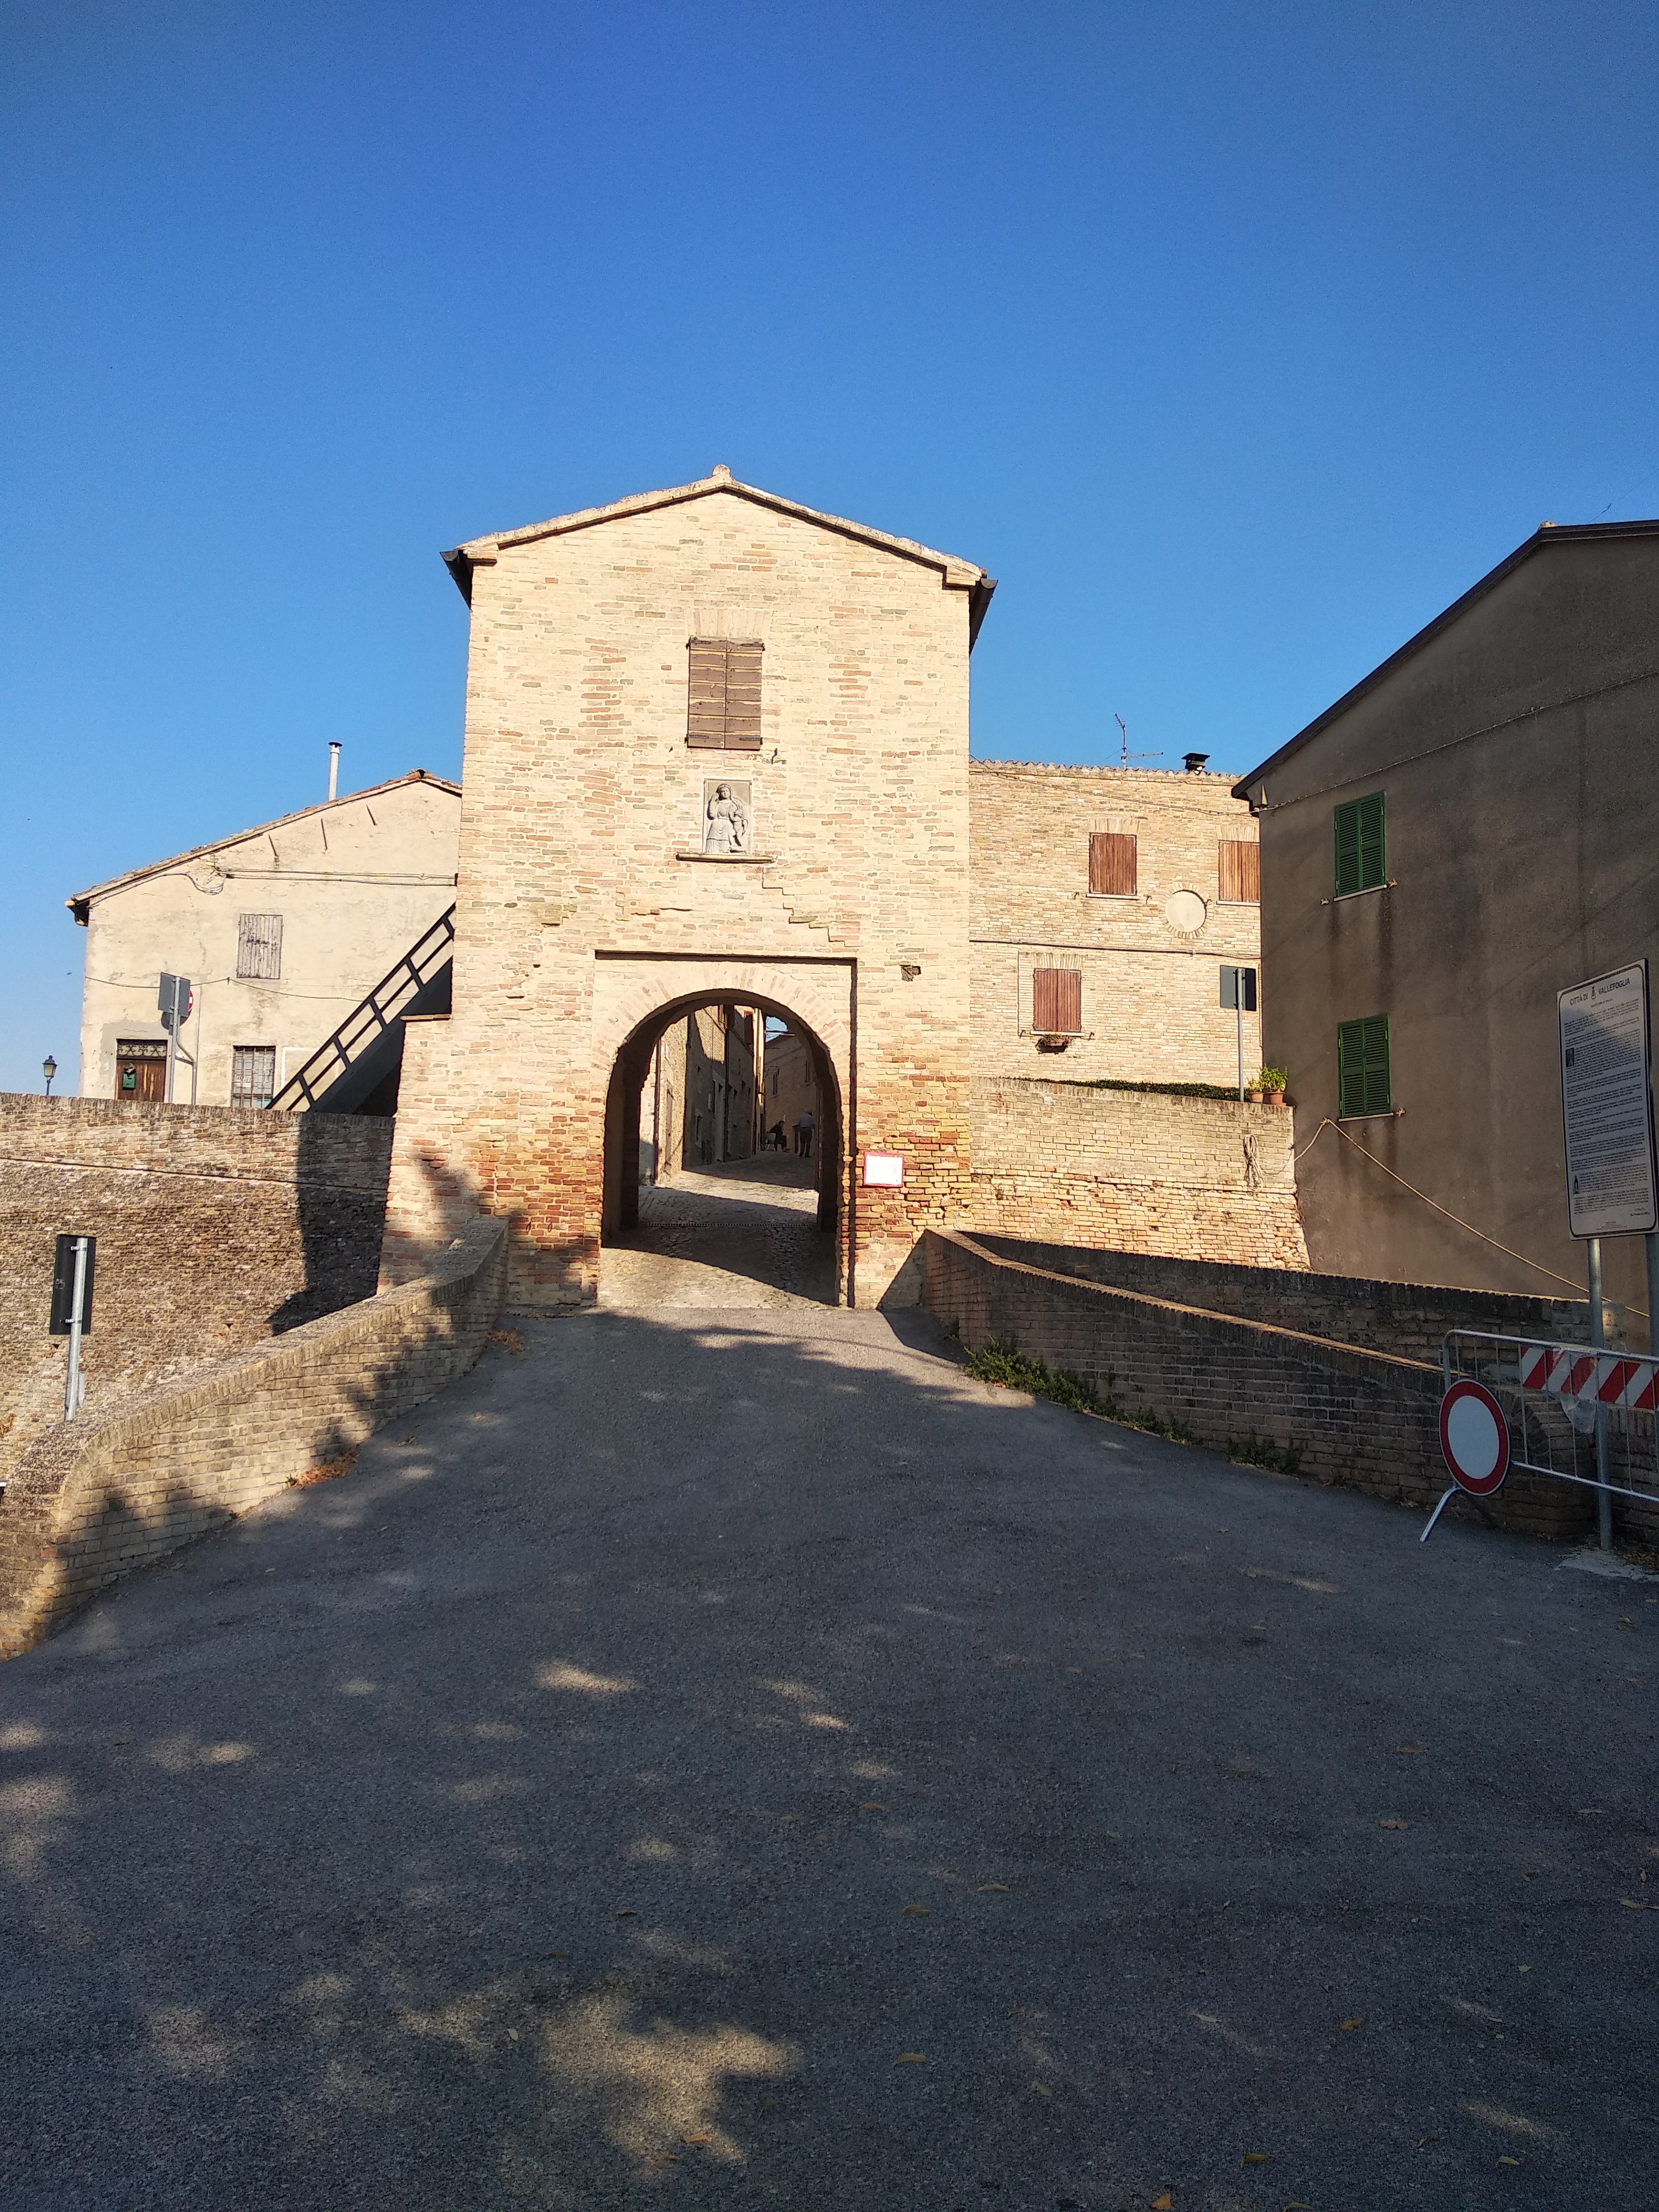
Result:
[[141, 1072]]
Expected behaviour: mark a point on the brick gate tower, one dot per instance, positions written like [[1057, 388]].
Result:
[[716, 749]]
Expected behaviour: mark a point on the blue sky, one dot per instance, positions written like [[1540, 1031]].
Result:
[[1235, 340]]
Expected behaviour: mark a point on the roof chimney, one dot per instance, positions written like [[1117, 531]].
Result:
[[333, 766], [1192, 761]]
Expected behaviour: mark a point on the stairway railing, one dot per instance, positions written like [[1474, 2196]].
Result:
[[370, 1019]]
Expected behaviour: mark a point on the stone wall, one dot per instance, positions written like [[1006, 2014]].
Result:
[[1151, 994], [1347, 1414], [102, 1496], [1141, 1171], [217, 1226]]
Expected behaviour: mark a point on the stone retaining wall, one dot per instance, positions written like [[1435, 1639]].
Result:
[[1347, 1414], [1136, 1170], [217, 1227], [103, 1495]]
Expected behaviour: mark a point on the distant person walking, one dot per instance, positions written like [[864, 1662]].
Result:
[[804, 1135], [774, 1136]]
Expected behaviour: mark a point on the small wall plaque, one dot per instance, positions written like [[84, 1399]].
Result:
[[884, 1170]]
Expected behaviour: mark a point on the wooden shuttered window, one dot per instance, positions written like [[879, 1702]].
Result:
[[1057, 1002], [1112, 866], [1363, 1086], [1238, 871], [1362, 845], [724, 703], [259, 947]]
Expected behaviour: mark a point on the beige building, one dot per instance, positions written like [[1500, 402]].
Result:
[[699, 1103], [716, 752], [1106, 904], [282, 932], [791, 1087]]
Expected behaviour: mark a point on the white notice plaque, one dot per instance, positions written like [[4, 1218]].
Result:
[[884, 1171], [1607, 1104]]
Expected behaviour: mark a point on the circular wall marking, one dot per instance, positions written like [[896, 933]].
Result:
[[1186, 912], [1474, 1435]]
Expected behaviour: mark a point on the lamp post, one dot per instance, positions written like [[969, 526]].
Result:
[[49, 1068]]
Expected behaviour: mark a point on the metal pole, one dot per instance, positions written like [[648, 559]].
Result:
[[173, 1045], [1238, 1022], [1598, 1341], [73, 1391]]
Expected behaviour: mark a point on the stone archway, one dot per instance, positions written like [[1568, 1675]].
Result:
[[697, 986]]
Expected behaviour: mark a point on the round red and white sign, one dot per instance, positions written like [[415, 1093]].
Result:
[[1474, 1435]]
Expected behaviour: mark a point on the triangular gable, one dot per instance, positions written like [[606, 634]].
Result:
[[954, 573], [81, 902]]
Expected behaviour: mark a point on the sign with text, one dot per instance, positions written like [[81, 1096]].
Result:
[[1607, 1104], [884, 1170]]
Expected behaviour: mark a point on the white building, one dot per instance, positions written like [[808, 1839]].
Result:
[[284, 932]]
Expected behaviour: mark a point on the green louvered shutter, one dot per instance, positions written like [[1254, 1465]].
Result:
[[1362, 1067], [1362, 845]]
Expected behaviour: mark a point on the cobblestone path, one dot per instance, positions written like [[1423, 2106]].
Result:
[[742, 1235]]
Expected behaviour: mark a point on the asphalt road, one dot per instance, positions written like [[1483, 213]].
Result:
[[734, 1760]]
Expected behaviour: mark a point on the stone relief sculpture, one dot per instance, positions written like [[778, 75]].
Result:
[[727, 824]]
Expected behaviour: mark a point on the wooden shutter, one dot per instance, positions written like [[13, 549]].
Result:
[[259, 946], [1362, 845], [705, 722], [724, 706], [1238, 871], [1057, 1000], [1112, 866], [1362, 1067], [742, 694]]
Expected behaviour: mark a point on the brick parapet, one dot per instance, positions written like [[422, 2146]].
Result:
[[100, 1496], [1352, 1416]]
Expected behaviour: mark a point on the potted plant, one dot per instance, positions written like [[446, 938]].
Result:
[[1271, 1082]]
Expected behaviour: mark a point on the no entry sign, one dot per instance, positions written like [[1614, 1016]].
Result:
[[1474, 1435]]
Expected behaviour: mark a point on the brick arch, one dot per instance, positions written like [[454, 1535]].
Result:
[[641, 998]]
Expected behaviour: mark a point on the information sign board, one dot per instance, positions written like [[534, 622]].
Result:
[[1607, 1104], [884, 1170]]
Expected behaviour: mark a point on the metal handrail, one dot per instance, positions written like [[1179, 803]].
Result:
[[369, 1018]]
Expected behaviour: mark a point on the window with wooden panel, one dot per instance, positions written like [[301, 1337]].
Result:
[[1057, 1002], [1362, 845], [1238, 871], [1363, 1082], [724, 705], [1112, 864], [259, 947]]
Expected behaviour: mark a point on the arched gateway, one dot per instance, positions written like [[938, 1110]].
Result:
[[716, 750]]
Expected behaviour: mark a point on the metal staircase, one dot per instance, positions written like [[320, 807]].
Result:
[[356, 1069]]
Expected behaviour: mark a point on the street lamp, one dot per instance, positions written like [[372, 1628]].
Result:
[[49, 1068]]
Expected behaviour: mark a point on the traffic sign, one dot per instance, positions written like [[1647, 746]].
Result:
[[1607, 1104], [1474, 1435]]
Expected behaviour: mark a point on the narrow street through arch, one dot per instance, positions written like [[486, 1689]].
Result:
[[741, 1234]]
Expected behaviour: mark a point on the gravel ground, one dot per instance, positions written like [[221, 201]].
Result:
[[733, 1760]]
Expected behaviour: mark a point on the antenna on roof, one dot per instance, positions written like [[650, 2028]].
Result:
[[1127, 756]]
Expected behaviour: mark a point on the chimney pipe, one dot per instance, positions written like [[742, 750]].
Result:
[[333, 767], [1194, 762]]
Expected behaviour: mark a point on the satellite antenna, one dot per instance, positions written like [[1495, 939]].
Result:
[[1127, 756]]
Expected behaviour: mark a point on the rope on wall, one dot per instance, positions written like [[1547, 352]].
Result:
[[1577, 1288]]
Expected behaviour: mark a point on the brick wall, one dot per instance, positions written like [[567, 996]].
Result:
[[1361, 1417], [1407, 1319], [217, 1226], [1194, 1178], [102, 1496], [1151, 996], [581, 874]]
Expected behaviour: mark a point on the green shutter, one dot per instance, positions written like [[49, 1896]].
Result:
[[1362, 845], [1362, 1067]]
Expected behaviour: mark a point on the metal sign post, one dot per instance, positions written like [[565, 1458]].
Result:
[[1238, 992], [71, 1309], [174, 999]]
